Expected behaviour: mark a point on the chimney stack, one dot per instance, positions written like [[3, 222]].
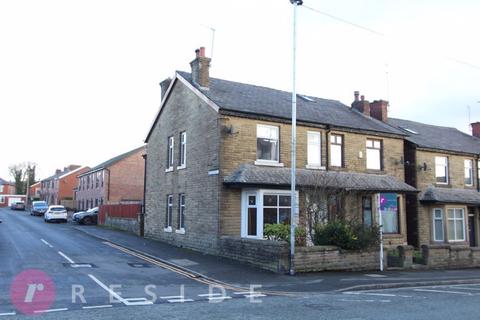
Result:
[[476, 129], [58, 171], [379, 110], [201, 69], [362, 105]]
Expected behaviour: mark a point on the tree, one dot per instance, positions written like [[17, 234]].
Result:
[[23, 175]]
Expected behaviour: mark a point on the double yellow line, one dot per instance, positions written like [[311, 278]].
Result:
[[191, 275]]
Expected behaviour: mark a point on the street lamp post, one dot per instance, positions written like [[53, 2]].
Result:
[[293, 198]]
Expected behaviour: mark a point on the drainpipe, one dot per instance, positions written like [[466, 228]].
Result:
[[144, 156], [327, 144], [108, 184]]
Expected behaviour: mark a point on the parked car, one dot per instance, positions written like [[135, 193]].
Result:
[[38, 208], [56, 213], [18, 205], [87, 217]]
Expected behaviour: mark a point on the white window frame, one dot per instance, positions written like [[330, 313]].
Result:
[[446, 170], [264, 161], [169, 214], [170, 153], [181, 214], [454, 219], [468, 163], [311, 148], [182, 156], [434, 219], [1, 187], [376, 146], [259, 193], [334, 137]]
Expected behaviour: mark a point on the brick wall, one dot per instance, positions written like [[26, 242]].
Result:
[[184, 111], [126, 178]]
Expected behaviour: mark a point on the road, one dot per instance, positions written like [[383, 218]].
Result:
[[42, 264]]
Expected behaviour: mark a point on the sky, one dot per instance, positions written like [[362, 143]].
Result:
[[79, 80]]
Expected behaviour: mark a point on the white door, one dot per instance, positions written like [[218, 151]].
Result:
[[12, 200]]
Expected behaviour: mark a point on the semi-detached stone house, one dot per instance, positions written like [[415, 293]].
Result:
[[443, 164], [218, 157], [116, 180]]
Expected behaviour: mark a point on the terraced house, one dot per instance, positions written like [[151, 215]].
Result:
[[443, 163], [218, 158]]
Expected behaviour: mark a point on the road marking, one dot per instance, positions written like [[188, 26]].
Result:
[[117, 296], [444, 291], [375, 275], [372, 294], [81, 265], [172, 297], [255, 295], [350, 300], [46, 242], [136, 299], [180, 300], [219, 298], [464, 288], [98, 307], [67, 258], [244, 292], [210, 295], [8, 314], [50, 310]]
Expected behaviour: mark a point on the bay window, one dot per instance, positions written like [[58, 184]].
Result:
[[267, 143], [456, 224], [438, 226]]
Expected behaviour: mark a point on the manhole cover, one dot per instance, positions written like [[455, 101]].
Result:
[[79, 265], [139, 265]]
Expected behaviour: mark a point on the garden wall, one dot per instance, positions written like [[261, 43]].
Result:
[[451, 256], [124, 217]]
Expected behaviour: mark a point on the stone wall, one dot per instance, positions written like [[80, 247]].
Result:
[[451, 256], [265, 254], [331, 258], [131, 225]]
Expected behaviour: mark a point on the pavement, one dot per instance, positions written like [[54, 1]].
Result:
[[242, 275]]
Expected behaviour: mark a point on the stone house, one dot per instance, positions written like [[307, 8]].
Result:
[[58, 188], [443, 163], [218, 158], [119, 179]]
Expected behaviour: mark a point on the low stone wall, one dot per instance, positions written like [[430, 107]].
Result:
[[125, 224], [451, 256], [330, 258], [269, 255]]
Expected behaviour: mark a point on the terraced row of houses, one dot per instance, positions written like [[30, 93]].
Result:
[[218, 158]]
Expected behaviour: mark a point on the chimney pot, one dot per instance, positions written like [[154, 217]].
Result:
[[356, 94], [202, 51], [362, 97]]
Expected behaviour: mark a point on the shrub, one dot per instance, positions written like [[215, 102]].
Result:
[[349, 235], [281, 232]]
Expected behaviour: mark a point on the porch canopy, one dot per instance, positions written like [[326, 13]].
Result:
[[448, 195], [251, 175]]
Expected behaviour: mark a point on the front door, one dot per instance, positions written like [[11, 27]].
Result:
[[471, 227]]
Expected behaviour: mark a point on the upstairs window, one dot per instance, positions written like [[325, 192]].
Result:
[[468, 172], [314, 149], [374, 154], [267, 143], [170, 153], [183, 150], [336, 150], [441, 170]]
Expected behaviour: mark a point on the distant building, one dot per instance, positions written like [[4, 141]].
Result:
[[119, 179], [8, 193]]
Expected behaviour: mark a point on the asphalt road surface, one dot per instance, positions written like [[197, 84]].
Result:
[[51, 270]]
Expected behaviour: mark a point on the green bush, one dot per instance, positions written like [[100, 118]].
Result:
[[349, 235], [281, 232]]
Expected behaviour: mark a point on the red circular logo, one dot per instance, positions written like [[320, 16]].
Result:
[[32, 291]]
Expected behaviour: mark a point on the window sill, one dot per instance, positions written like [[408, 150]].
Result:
[[314, 167], [268, 163], [169, 169], [181, 167], [180, 231], [168, 229]]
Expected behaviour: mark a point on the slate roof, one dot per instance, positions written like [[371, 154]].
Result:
[[446, 195], [248, 174], [437, 137], [5, 182], [112, 161], [251, 99]]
